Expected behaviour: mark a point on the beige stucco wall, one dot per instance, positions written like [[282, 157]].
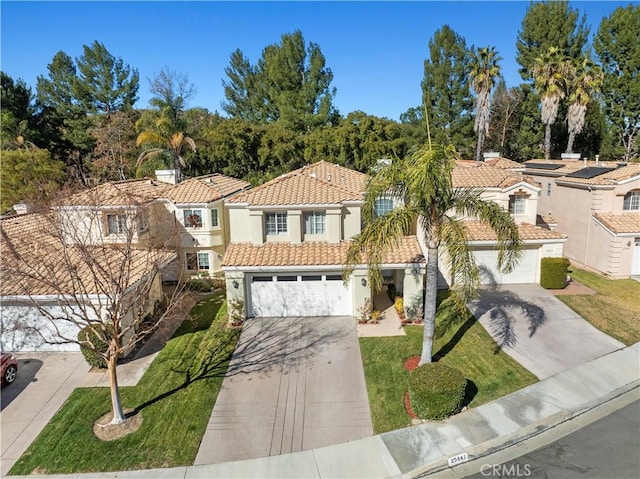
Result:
[[236, 294], [359, 293], [412, 295], [351, 221]]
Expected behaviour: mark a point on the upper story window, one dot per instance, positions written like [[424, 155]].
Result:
[[275, 223], [116, 224], [517, 204], [382, 206], [193, 218], [215, 220], [315, 222], [631, 201]]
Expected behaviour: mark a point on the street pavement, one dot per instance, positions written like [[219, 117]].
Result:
[[538, 330], [293, 384]]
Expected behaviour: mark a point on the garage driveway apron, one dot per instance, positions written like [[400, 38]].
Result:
[[293, 384], [538, 330]]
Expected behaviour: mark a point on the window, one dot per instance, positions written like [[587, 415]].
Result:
[[382, 206], [517, 204], [197, 261], [214, 218], [116, 224], [287, 278], [631, 201], [276, 223], [314, 222], [548, 189], [193, 218], [334, 277], [312, 278]]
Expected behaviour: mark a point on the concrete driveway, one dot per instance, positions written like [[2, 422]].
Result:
[[538, 330], [44, 382], [293, 384]]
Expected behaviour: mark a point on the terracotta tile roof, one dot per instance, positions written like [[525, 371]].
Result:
[[504, 163], [205, 189], [33, 238], [316, 184], [478, 231], [610, 178], [624, 223], [544, 221], [120, 193], [311, 254], [486, 176]]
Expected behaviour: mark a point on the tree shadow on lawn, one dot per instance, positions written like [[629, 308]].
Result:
[[263, 346]]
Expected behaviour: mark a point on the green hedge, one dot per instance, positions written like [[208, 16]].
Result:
[[553, 272], [436, 391], [94, 359]]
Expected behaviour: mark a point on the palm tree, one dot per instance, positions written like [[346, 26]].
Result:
[[586, 81], [550, 73], [484, 72], [423, 181], [166, 141]]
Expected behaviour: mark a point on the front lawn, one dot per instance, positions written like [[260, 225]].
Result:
[[614, 310], [465, 346], [175, 397]]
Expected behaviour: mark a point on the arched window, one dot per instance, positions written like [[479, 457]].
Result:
[[631, 201]]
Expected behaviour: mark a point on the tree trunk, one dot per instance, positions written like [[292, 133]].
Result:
[[547, 141], [480, 146], [570, 142], [430, 305], [116, 405]]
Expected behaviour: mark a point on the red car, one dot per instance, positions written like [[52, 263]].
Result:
[[9, 368]]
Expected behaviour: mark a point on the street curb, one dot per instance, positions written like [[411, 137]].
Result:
[[494, 445]]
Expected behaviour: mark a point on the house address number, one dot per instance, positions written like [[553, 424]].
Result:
[[459, 459]]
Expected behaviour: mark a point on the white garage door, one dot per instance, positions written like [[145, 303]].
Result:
[[524, 272], [635, 262], [299, 295]]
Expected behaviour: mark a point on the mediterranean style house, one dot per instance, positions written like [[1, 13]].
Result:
[[289, 240], [597, 204]]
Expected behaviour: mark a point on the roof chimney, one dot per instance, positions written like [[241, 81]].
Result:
[[168, 176], [488, 155], [22, 208], [570, 156]]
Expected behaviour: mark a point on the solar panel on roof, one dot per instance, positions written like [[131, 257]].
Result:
[[589, 172], [544, 166]]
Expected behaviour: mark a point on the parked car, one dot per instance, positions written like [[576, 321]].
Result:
[[9, 368]]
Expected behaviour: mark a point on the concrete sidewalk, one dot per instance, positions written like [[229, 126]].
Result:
[[426, 448]]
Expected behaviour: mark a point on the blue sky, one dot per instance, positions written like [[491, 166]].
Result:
[[376, 50]]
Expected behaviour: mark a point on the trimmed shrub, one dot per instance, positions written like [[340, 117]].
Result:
[[436, 391], [200, 285], [553, 272], [90, 355]]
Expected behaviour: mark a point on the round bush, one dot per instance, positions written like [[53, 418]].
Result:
[[94, 359], [436, 391]]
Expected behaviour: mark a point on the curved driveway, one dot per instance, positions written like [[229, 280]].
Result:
[[293, 384], [538, 330]]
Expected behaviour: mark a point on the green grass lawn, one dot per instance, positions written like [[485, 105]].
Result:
[[175, 397], [614, 310], [464, 345]]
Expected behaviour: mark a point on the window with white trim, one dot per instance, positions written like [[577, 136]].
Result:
[[382, 206], [215, 220], [192, 218], [116, 224], [631, 201], [197, 261], [517, 204], [275, 223], [315, 222]]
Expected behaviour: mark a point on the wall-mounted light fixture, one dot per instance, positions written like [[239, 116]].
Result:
[[235, 284], [363, 281]]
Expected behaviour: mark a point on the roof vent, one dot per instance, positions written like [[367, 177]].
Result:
[[329, 177], [313, 174], [487, 155]]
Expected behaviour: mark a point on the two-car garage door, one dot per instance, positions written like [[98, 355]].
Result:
[[525, 272], [299, 294]]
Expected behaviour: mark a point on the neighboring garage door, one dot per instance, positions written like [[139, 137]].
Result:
[[299, 295], [524, 272], [635, 262]]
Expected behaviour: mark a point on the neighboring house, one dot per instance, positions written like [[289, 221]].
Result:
[[198, 205], [598, 206], [289, 241], [42, 276], [518, 194]]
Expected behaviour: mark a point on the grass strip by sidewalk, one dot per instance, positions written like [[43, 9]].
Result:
[[175, 397], [467, 347], [614, 310]]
